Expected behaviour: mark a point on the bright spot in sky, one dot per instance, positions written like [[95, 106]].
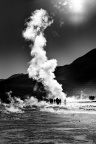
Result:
[[76, 5], [76, 11]]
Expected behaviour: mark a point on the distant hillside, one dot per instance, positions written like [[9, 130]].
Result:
[[76, 77], [79, 75], [21, 86]]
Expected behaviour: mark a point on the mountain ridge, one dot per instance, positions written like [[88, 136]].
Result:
[[78, 76]]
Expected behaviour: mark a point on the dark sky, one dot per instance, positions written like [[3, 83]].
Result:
[[70, 36]]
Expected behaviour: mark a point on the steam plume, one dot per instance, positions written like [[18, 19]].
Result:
[[42, 69]]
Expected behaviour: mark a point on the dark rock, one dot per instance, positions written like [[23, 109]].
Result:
[[92, 97]]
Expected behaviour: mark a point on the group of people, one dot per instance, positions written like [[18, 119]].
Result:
[[56, 101]]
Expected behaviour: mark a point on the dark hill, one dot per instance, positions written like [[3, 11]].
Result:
[[79, 75], [21, 86], [76, 77]]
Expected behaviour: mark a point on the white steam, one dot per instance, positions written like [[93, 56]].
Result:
[[42, 69], [73, 105]]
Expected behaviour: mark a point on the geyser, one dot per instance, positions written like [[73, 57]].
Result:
[[40, 68]]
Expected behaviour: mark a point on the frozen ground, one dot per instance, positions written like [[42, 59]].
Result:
[[36, 126]]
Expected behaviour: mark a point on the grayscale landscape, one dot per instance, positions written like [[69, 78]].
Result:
[[48, 72], [37, 127]]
